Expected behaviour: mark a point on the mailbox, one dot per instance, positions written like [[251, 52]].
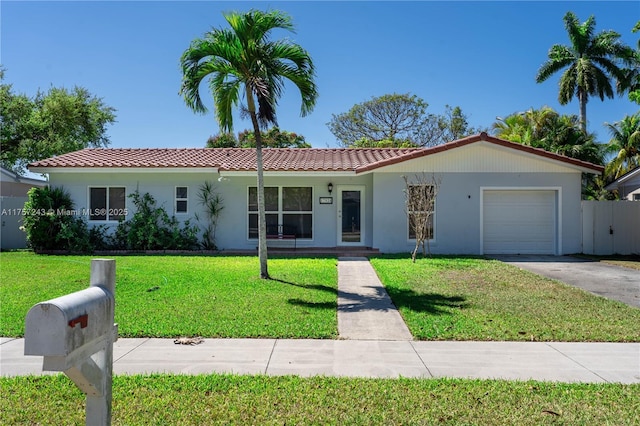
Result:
[[71, 327], [75, 334]]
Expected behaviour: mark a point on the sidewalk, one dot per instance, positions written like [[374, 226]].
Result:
[[565, 362], [374, 342]]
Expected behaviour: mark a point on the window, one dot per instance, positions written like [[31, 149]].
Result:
[[636, 197], [107, 203], [421, 209], [182, 193], [291, 207]]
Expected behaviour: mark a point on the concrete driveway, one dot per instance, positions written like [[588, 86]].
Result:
[[610, 281]]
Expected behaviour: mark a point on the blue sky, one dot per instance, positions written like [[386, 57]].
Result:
[[481, 56]]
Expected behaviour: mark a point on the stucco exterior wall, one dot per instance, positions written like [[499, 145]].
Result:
[[630, 188], [457, 220], [232, 231]]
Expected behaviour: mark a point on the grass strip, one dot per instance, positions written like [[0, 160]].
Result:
[[264, 400]]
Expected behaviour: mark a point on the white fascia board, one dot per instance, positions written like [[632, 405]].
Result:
[[85, 170], [630, 175]]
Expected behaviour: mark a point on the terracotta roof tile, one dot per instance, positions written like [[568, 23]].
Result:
[[275, 159], [231, 159]]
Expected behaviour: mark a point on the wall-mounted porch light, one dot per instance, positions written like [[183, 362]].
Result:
[[330, 187]]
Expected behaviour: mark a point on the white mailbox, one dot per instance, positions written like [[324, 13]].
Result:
[[70, 328], [75, 334]]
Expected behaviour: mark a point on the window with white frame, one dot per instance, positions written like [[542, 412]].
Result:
[[107, 203], [421, 209], [288, 207], [182, 199]]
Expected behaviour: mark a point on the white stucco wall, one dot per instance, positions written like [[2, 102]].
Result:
[[458, 205], [232, 232]]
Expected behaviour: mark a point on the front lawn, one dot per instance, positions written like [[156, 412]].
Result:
[[168, 296], [444, 298], [227, 399], [440, 298]]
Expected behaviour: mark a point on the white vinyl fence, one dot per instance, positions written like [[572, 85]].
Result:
[[610, 227], [11, 237]]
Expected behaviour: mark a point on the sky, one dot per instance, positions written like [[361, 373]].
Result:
[[482, 56]]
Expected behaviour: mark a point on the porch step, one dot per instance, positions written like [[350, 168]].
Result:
[[325, 251]]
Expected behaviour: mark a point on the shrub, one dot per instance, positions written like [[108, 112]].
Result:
[[51, 223], [151, 228], [213, 206]]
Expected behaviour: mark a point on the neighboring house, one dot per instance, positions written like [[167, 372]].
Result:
[[13, 195], [627, 185], [495, 196]]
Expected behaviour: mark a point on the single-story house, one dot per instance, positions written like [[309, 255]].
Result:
[[13, 195], [494, 196], [627, 185]]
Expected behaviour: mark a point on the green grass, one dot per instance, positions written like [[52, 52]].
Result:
[[440, 298], [228, 399], [168, 296], [443, 298], [628, 261]]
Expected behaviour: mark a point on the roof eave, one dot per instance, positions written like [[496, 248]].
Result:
[[123, 169]]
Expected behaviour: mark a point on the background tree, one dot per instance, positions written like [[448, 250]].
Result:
[[397, 120], [420, 197], [49, 124], [546, 129], [631, 81], [624, 145], [242, 60], [273, 138], [455, 125], [591, 63], [561, 134], [222, 140]]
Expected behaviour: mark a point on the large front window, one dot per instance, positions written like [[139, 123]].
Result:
[[420, 209], [107, 203], [288, 207]]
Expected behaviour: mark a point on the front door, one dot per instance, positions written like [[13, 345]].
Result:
[[350, 215]]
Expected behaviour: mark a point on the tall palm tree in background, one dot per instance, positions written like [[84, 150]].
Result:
[[631, 81], [591, 62], [624, 144], [243, 61]]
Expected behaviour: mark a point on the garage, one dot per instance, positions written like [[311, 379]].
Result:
[[519, 222]]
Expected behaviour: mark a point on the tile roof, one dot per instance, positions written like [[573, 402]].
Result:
[[274, 159], [230, 159]]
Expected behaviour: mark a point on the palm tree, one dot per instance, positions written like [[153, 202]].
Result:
[[545, 128], [631, 81], [243, 61], [591, 63], [624, 144]]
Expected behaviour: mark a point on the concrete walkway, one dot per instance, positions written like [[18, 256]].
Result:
[[365, 310], [374, 342]]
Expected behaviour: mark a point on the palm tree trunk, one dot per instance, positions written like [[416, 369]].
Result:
[[582, 99], [262, 224]]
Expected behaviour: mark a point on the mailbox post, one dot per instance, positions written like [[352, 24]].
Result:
[[75, 334]]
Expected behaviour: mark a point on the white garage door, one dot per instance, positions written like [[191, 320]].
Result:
[[519, 222]]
